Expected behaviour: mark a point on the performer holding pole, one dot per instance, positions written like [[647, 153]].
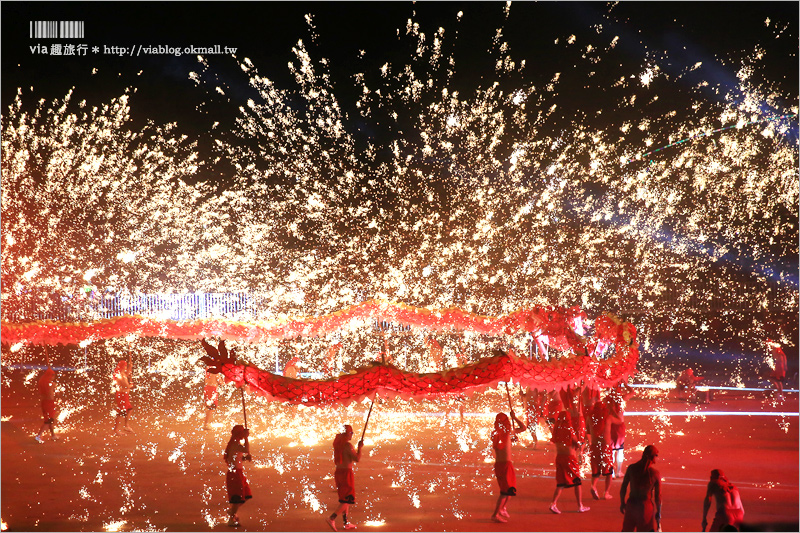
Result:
[[503, 467], [122, 387], [237, 451], [344, 455], [514, 437], [47, 389]]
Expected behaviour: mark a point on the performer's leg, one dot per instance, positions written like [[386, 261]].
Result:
[[608, 495], [556, 495], [578, 498], [501, 503]]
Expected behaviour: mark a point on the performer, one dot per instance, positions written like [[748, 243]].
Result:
[[459, 402], [601, 457], [589, 397], [435, 358], [47, 389], [778, 373], [642, 510], [329, 367], [122, 387], [554, 407], [730, 512], [567, 466], [237, 450], [616, 399], [503, 468], [210, 396], [344, 455], [290, 370], [686, 385], [535, 408]]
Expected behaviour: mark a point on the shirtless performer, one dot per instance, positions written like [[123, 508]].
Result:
[[616, 400], [122, 387], [210, 396], [778, 373], [535, 408], [237, 450], [730, 511], [47, 389], [567, 467], [344, 455], [642, 509], [503, 468], [602, 461]]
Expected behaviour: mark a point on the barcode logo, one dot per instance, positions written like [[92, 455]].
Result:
[[56, 29]]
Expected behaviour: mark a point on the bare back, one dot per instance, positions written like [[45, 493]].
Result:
[[644, 483]]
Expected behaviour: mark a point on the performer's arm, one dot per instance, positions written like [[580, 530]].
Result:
[[521, 427], [706, 507], [356, 456], [246, 455], [657, 494], [622, 491]]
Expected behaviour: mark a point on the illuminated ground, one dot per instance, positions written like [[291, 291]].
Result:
[[169, 476]]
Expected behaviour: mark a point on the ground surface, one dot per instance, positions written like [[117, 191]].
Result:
[[416, 475]]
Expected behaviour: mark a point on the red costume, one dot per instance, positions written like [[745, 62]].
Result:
[[617, 430], [45, 389], [779, 372], [48, 410], [123, 402], [567, 467], [602, 459], [640, 507], [726, 515], [236, 483], [506, 478], [122, 397], [235, 480], [503, 470], [344, 478], [567, 470], [210, 394], [345, 485]]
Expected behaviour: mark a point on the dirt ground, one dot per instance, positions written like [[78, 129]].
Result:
[[418, 473]]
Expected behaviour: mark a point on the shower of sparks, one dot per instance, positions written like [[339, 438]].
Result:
[[114, 526]]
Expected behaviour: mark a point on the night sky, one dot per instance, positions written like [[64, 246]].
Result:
[[265, 32]]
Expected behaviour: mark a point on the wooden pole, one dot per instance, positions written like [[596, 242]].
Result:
[[367, 422]]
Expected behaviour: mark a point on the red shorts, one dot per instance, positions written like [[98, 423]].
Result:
[[48, 410], [639, 516], [602, 459], [618, 436], [237, 485], [210, 394], [779, 375], [727, 517], [345, 485], [504, 472], [567, 471], [123, 403]]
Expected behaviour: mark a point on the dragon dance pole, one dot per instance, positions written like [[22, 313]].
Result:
[[367, 422]]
